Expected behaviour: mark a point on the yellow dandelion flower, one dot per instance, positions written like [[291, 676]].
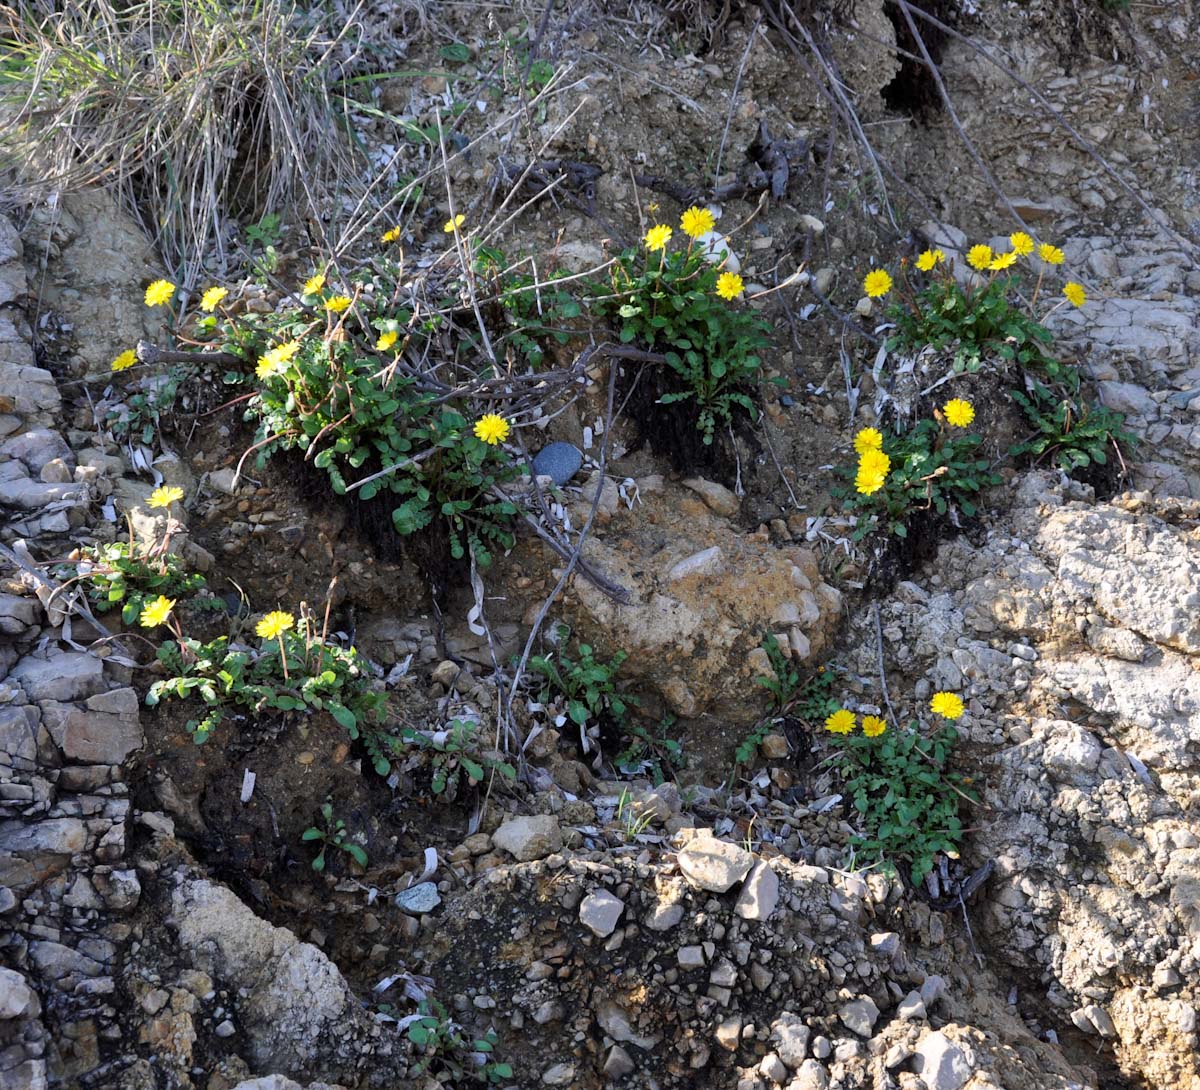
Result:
[[156, 612], [492, 429], [958, 412], [929, 258], [386, 340], [1051, 255], [1003, 261], [873, 726], [159, 292], [1075, 294], [657, 237], [335, 304], [125, 360], [274, 625], [211, 299], [729, 286], [868, 439], [450, 225], [1021, 243], [390, 236], [947, 705], [875, 460], [267, 366], [164, 496], [284, 352], [841, 722], [877, 283], [696, 222], [314, 284], [979, 257]]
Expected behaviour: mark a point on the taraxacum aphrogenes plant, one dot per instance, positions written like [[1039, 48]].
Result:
[[984, 317], [899, 784], [294, 669], [931, 467], [675, 302]]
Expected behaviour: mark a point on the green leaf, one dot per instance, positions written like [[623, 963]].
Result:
[[458, 52]]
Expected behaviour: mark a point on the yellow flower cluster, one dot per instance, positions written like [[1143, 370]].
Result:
[[697, 222], [156, 612], [274, 625], [947, 705], [929, 258], [492, 429], [873, 466], [272, 362], [450, 226], [657, 237], [390, 235], [125, 360], [335, 304], [314, 284], [958, 412], [211, 299], [164, 496], [159, 292], [877, 283], [386, 340], [843, 722], [730, 285]]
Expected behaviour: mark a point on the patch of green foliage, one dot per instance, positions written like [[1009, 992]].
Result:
[[586, 684], [650, 752], [118, 574], [332, 833], [933, 468], [318, 677], [456, 750], [445, 1051], [140, 417], [976, 322], [1070, 434], [906, 797], [666, 301]]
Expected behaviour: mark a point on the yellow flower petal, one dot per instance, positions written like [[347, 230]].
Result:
[[877, 283], [211, 299], [696, 222], [274, 624], [657, 237], [729, 286], [492, 429], [125, 360], [159, 292], [164, 496], [947, 705], [959, 413]]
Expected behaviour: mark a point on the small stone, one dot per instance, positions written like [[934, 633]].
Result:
[[558, 461], [716, 497], [811, 1075], [760, 893], [1166, 977], [822, 1047], [617, 1064], [772, 1067], [932, 989], [529, 838], [912, 1007], [56, 471], [225, 1029], [614, 1020], [17, 999], [562, 1074], [885, 943], [600, 911], [690, 957], [774, 747], [705, 562], [860, 1015], [729, 1033], [154, 1000], [223, 480], [712, 864], [664, 917], [418, 899], [791, 1037], [941, 1064]]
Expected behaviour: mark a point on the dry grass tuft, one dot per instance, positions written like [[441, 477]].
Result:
[[196, 111]]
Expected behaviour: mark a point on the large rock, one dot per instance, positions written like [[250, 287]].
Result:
[[702, 598], [712, 864], [1088, 611], [69, 675], [530, 837], [298, 1015]]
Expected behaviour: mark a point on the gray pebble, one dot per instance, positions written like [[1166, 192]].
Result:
[[559, 461]]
